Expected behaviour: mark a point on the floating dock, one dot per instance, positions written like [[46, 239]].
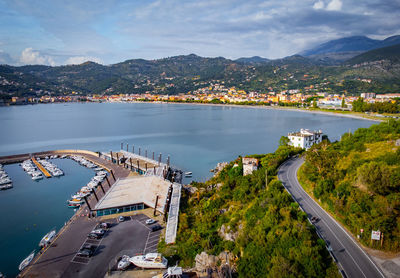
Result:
[[41, 168]]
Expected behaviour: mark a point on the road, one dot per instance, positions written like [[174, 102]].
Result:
[[348, 254]]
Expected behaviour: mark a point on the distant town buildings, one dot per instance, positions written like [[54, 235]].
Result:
[[305, 138], [249, 165]]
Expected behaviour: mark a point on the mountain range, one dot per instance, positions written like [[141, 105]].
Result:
[[184, 73]]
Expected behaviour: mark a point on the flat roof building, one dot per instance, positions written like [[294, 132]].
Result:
[[134, 193]]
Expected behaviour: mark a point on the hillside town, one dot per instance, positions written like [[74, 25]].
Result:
[[219, 94]]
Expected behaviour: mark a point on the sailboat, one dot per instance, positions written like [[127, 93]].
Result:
[[26, 261]]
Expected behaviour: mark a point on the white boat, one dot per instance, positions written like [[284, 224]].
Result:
[[150, 260], [26, 261], [48, 238], [188, 174], [124, 262], [6, 186], [5, 180], [75, 201], [37, 177]]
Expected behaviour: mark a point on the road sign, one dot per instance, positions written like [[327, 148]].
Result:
[[376, 235]]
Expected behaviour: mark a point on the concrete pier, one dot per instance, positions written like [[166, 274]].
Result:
[[41, 168]]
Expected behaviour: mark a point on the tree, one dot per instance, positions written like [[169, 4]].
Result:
[[284, 141]]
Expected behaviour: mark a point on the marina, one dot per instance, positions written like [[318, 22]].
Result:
[[5, 180], [108, 173]]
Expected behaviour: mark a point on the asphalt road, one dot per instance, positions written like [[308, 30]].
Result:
[[346, 252]]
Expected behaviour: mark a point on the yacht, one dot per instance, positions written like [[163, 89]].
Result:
[[48, 238], [26, 261], [150, 260]]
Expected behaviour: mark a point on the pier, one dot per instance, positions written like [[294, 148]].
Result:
[[41, 168]]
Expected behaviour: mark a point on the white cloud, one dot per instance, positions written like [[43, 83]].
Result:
[[76, 60], [33, 57], [318, 5], [5, 58], [334, 5]]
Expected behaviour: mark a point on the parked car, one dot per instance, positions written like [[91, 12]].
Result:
[[155, 228], [98, 231], [94, 236], [150, 221], [103, 225], [121, 218], [86, 250]]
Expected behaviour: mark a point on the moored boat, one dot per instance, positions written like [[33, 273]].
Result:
[[6, 186], [150, 260], [75, 201], [26, 261], [188, 174], [48, 238]]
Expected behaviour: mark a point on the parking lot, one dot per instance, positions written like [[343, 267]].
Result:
[[129, 237]]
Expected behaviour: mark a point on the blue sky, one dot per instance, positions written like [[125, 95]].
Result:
[[56, 32]]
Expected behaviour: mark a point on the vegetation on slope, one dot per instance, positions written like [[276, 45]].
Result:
[[185, 73], [358, 180], [380, 107], [272, 235], [391, 53]]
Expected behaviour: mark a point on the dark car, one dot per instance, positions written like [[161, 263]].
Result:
[[87, 250], [155, 228], [314, 219]]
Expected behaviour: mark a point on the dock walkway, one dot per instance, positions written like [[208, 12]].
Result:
[[41, 168], [173, 215]]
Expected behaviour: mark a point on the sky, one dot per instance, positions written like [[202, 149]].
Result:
[[55, 32]]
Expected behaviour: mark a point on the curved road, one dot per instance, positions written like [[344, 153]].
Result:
[[353, 261]]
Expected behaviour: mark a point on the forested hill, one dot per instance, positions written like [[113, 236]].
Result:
[[188, 73], [390, 53], [358, 180], [262, 228]]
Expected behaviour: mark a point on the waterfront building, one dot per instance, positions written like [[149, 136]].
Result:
[[305, 138], [249, 165], [135, 193]]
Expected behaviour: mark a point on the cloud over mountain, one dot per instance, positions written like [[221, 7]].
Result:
[[120, 30]]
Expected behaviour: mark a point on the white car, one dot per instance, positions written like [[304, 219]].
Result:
[[150, 221]]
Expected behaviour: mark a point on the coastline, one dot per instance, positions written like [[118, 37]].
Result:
[[339, 113], [282, 108]]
